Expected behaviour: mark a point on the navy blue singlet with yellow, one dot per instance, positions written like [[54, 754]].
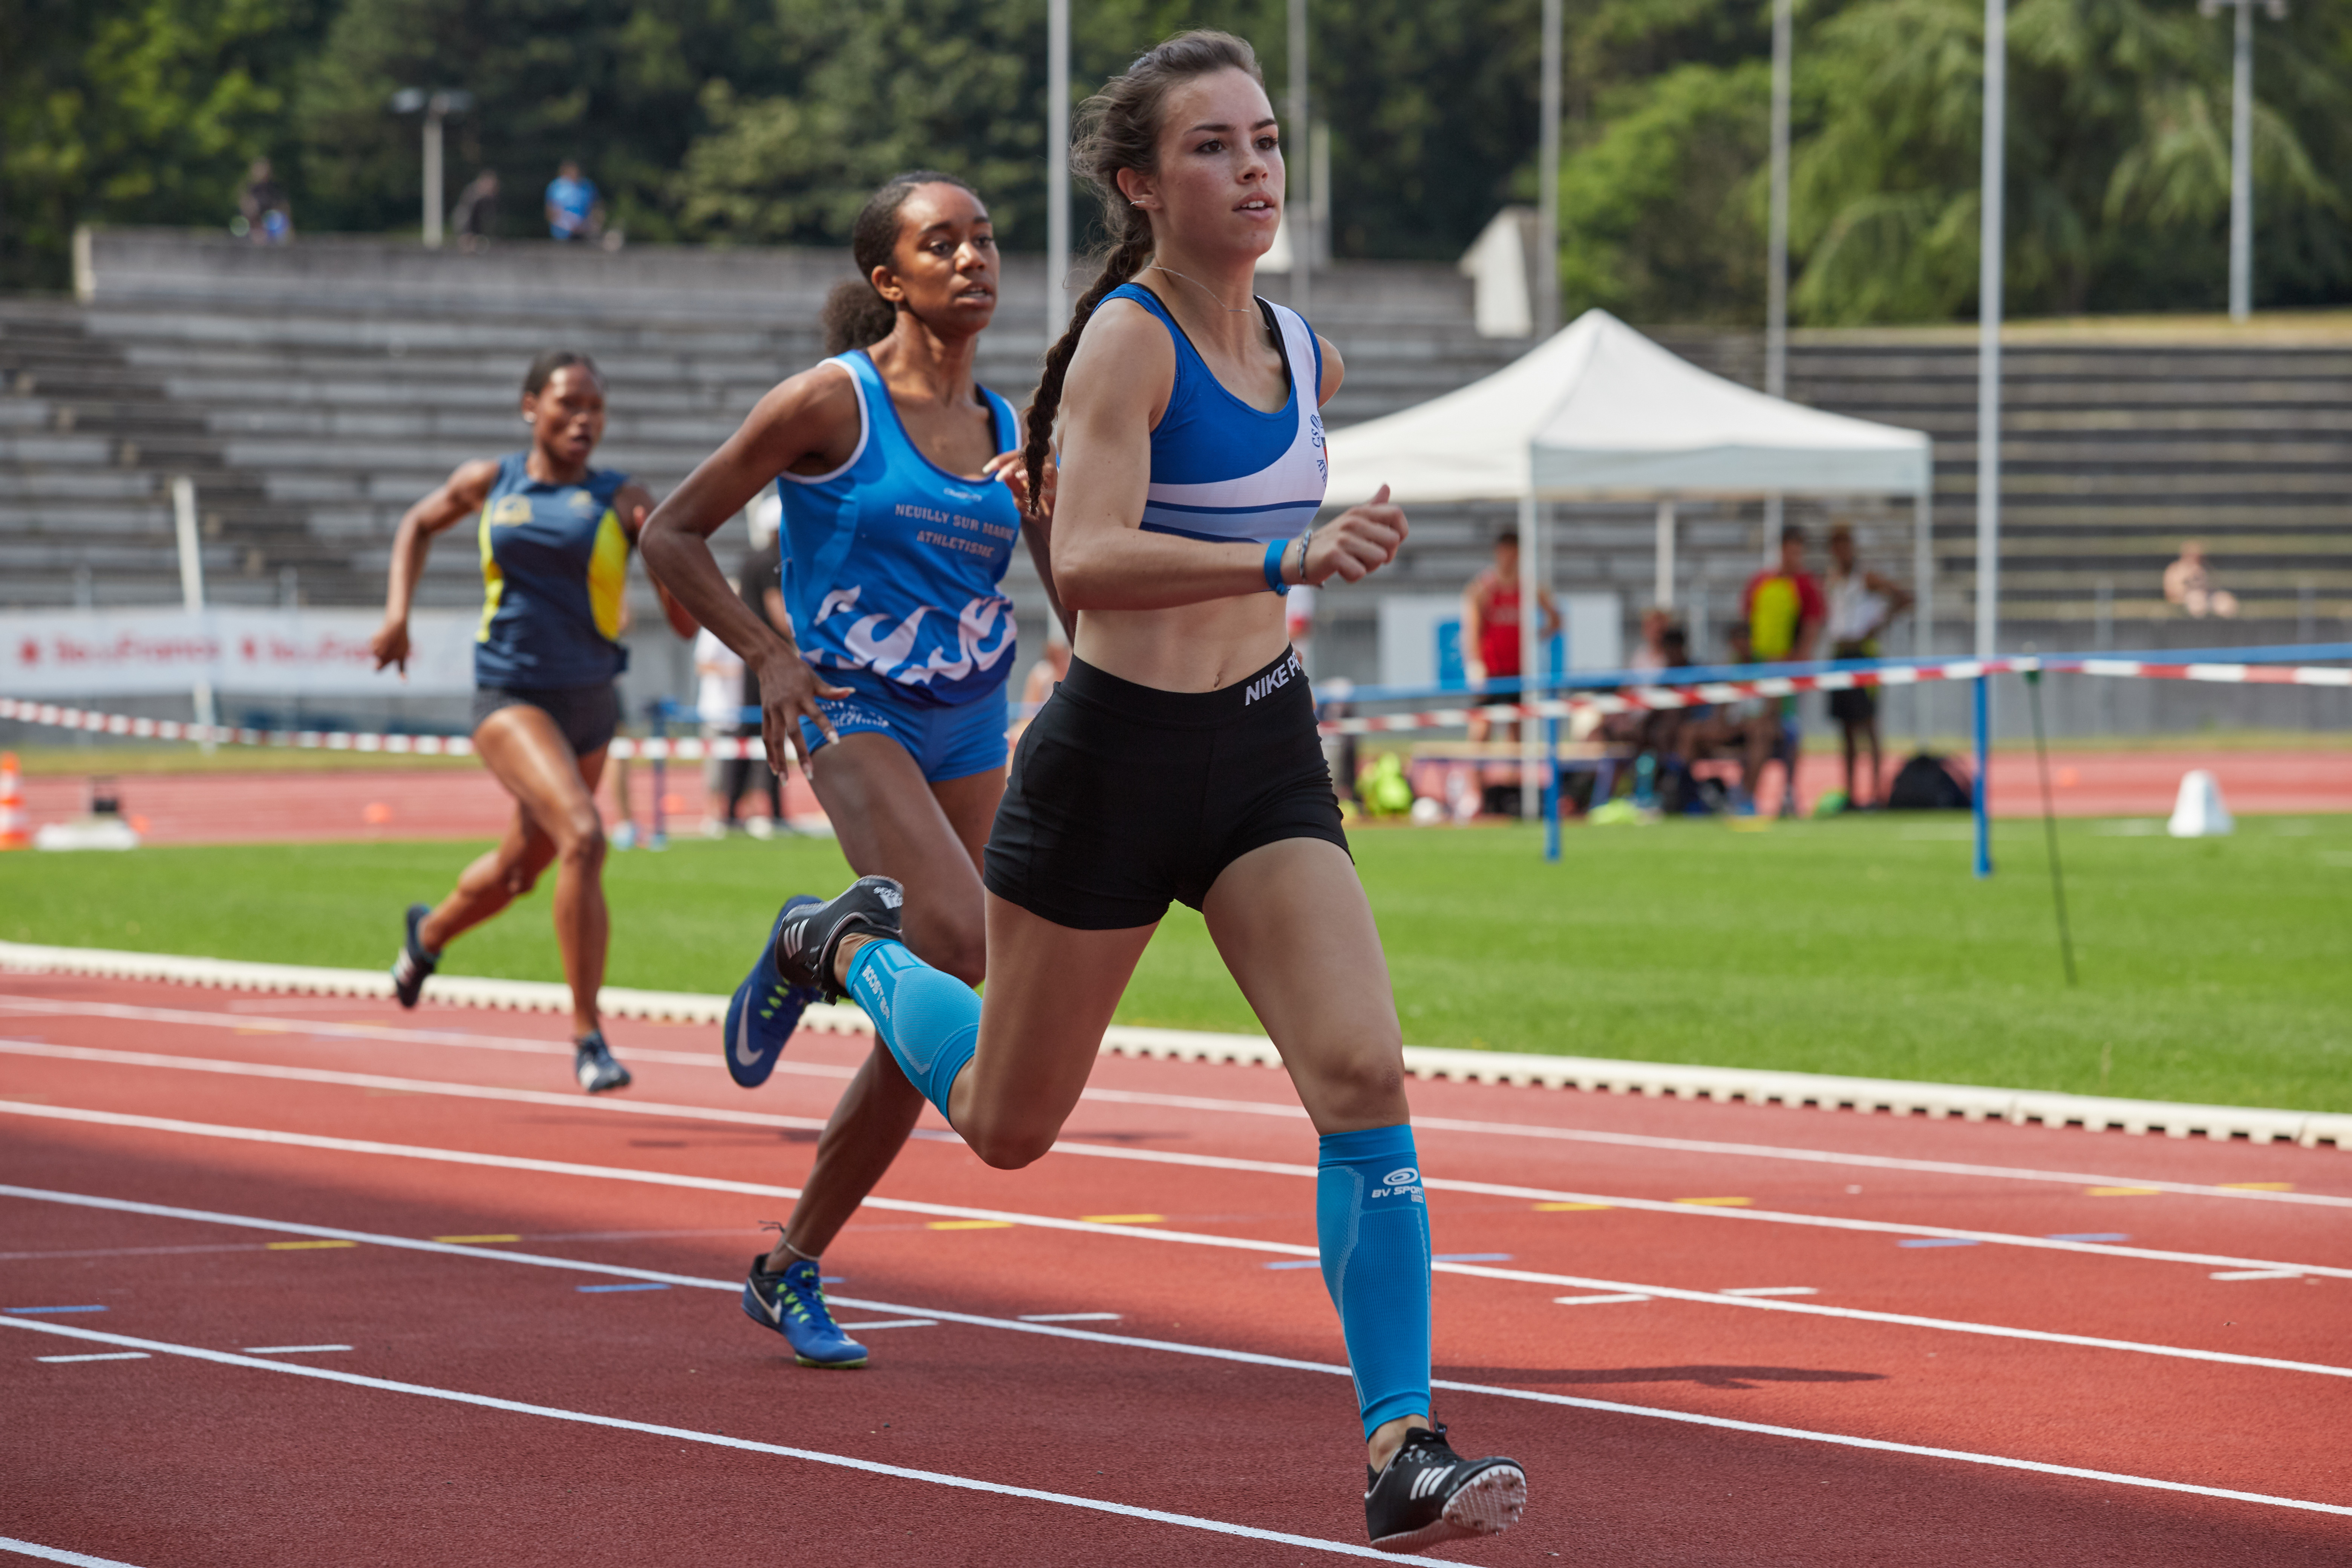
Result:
[[555, 561]]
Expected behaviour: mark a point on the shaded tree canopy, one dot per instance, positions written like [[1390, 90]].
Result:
[[765, 121]]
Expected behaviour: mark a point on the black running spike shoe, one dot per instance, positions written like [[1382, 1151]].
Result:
[[808, 937], [415, 963], [593, 1064], [1428, 1494]]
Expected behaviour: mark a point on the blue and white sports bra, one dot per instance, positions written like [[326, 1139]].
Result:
[[1225, 471], [891, 562]]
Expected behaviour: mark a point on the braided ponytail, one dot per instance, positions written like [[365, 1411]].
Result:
[[1119, 128]]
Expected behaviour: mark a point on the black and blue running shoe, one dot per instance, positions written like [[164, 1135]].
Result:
[[415, 963], [593, 1064], [808, 934], [766, 1009], [792, 1303]]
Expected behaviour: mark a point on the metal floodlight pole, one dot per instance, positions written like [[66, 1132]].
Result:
[[1988, 309], [1299, 197], [1776, 280], [1546, 299], [436, 106], [2241, 150], [192, 586], [1057, 166]]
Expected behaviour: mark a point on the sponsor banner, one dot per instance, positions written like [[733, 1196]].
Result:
[[292, 653]]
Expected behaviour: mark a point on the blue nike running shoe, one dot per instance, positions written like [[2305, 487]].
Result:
[[766, 1009], [792, 1303]]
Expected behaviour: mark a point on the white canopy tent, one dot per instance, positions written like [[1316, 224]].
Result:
[[1599, 412]]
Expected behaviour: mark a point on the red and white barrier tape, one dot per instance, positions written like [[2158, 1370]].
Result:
[[1632, 699], [1647, 699], [685, 749]]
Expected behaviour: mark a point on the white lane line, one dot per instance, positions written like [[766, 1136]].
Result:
[[2257, 1274], [1597, 1300], [1770, 1291], [1252, 1358], [1042, 1222], [1283, 1109], [1069, 1317], [892, 1323], [53, 1554], [1946, 1235], [116, 1355], [253, 1024], [291, 1350], [720, 1440]]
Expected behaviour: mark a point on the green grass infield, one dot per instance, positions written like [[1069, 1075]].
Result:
[[2212, 970]]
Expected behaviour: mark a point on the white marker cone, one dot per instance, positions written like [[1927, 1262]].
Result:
[[2200, 813]]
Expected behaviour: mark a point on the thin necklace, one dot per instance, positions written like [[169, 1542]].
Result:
[[1212, 293]]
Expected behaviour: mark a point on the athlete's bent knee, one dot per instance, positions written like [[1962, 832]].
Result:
[[1010, 1151], [1367, 1087], [582, 842]]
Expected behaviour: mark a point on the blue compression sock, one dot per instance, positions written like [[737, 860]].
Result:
[[929, 1021], [1373, 1227]]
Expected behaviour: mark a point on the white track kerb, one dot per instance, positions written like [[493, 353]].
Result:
[[1654, 1079]]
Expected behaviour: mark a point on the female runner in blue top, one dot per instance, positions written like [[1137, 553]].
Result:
[[903, 493], [555, 536], [1179, 759]]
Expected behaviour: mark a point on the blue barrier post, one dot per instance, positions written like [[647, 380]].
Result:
[[1977, 790], [660, 837], [1551, 789]]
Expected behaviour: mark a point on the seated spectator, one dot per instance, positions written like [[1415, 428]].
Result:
[[476, 212], [574, 210], [2188, 584], [267, 218], [1651, 656], [1748, 728]]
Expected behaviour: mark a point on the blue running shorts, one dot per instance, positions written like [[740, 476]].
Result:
[[947, 742]]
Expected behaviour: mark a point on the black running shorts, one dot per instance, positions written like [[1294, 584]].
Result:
[[1122, 796], [588, 715]]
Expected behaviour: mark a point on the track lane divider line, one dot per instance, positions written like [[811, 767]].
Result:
[[2264, 1191], [671, 1110], [56, 1554], [745, 1445], [1292, 1363], [1150, 1233]]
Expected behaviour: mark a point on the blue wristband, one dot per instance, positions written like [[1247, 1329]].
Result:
[[1274, 553]]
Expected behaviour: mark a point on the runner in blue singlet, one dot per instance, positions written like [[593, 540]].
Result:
[[555, 536], [902, 493]]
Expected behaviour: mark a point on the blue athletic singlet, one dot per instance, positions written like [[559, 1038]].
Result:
[[891, 564], [1225, 471], [554, 561]]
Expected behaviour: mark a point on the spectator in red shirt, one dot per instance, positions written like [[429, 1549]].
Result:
[[1490, 623]]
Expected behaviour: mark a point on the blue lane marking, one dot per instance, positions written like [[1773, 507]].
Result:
[[2089, 1236], [632, 1285], [29, 1311], [1470, 1258], [1298, 1263], [1937, 1241]]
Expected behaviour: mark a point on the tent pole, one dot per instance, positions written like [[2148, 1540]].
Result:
[[1922, 613], [1531, 652], [1664, 596]]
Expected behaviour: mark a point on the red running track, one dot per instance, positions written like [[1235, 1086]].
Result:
[[1871, 1420], [326, 804]]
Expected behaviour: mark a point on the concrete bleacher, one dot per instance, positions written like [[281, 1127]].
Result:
[[314, 392]]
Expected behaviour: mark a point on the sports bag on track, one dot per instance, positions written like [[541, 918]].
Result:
[[1930, 783]]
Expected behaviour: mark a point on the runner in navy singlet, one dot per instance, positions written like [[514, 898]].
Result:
[[902, 497], [555, 537]]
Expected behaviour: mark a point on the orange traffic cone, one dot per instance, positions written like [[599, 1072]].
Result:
[[12, 804]]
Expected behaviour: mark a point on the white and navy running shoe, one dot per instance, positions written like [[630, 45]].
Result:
[[415, 963], [1428, 1494], [592, 1065], [792, 1303], [766, 1008], [808, 936]]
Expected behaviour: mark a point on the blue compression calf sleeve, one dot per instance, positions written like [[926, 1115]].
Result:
[[929, 1021], [1374, 1227]]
